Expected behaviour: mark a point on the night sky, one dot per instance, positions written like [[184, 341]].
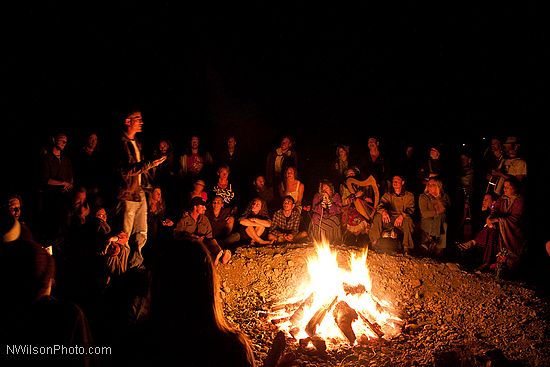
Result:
[[328, 74]]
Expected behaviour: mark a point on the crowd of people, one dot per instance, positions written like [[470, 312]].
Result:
[[109, 217]]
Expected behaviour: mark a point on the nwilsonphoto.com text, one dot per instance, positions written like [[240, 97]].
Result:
[[55, 349]]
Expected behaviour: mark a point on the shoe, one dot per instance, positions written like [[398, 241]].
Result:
[[226, 256]]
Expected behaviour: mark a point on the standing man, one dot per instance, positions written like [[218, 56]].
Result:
[[56, 172], [278, 160], [133, 170]]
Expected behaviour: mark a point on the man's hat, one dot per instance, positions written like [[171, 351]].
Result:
[[197, 200]]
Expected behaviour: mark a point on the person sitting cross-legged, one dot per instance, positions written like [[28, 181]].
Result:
[[253, 223], [286, 223]]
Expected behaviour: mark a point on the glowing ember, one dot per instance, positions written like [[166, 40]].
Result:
[[337, 304]]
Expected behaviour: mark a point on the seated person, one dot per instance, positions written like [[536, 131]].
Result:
[[354, 223], [195, 226], [394, 212], [222, 222], [433, 204], [286, 223], [326, 215], [483, 246], [253, 223], [30, 314], [508, 218], [173, 312]]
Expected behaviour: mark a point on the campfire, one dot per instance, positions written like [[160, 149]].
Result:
[[336, 305]]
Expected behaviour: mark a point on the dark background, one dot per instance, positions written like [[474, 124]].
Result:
[[408, 72]]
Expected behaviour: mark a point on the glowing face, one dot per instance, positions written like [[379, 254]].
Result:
[[134, 122], [231, 142], [256, 206], [260, 182], [14, 206], [372, 143], [288, 205], [92, 141], [157, 193], [195, 141], [201, 209], [434, 153], [342, 154], [433, 188], [350, 173], [60, 141], [224, 173], [290, 173], [397, 184], [217, 202], [285, 144], [326, 189], [509, 189], [487, 201], [163, 147]]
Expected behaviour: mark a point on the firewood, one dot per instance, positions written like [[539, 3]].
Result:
[[304, 342], [354, 289], [319, 343], [344, 316], [372, 325], [311, 327], [280, 320], [287, 306], [276, 351], [294, 331], [299, 313]]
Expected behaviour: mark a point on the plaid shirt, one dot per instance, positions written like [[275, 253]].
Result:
[[281, 224]]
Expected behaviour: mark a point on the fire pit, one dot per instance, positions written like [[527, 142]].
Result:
[[336, 305], [429, 313]]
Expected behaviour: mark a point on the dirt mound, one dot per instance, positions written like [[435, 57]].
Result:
[[451, 317]]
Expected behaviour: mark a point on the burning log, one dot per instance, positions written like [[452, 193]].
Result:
[[360, 289], [372, 325], [286, 306], [344, 316], [354, 289], [294, 332], [276, 351], [299, 313], [280, 320], [319, 343], [311, 327]]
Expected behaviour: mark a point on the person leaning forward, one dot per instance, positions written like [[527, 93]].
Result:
[[195, 226]]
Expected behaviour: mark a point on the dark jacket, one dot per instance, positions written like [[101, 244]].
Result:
[[129, 170]]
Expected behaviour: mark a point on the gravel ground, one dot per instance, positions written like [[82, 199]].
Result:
[[451, 317]]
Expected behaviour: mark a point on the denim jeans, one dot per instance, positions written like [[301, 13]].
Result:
[[134, 223]]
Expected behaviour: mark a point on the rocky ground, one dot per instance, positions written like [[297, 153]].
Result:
[[451, 317]]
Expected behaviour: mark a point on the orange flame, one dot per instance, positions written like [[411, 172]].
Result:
[[327, 281]]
